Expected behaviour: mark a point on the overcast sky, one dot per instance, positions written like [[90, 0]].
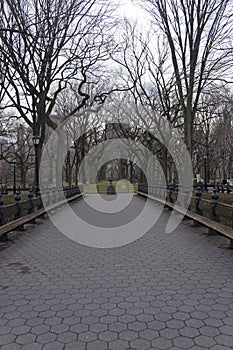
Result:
[[131, 10]]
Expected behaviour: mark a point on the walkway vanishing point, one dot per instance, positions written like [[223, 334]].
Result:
[[163, 291]]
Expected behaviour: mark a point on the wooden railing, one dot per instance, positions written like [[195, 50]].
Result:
[[218, 217], [14, 216]]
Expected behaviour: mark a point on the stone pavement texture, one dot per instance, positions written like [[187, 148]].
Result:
[[163, 291]]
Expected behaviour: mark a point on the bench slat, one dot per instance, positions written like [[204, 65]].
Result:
[[11, 226], [220, 228]]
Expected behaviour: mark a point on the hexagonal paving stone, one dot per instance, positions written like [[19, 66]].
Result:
[[134, 311], [226, 330], [152, 310], [29, 314], [67, 337], [195, 323], [204, 341], [220, 347], [78, 307], [35, 321], [46, 338], [59, 328], [5, 330], [181, 316], [79, 328], [163, 316], [169, 333], [126, 318], [145, 317], [40, 329], [99, 312], [228, 321], [7, 339], [98, 327], [12, 315], [34, 346], [64, 313], [97, 345], [53, 346], [216, 314], [189, 332], [223, 339], [11, 346], [137, 326], [47, 314], [141, 304], [90, 320], [140, 344], [156, 325], [183, 342], [108, 306], [41, 307], [199, 315], [71, 320], [25, 338], [76, 345], [118, 327], [128, 335], [209, 331], [148, 334], [108, 319], [117, 312], [92, 306], [107, 336], [16, 322], [118, 344], [161, 343], [51, 321], [125, 305], [87, 336]]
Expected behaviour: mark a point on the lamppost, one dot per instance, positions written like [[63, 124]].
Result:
[[205, 175], [36, 141], [14, 186]]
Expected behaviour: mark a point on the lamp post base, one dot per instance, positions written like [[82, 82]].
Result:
[[37, 191]]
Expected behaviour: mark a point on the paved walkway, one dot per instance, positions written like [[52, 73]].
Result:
[[163, 291]]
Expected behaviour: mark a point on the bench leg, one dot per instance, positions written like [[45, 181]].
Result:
[[3, 238], [186, 218], [20, 228], [231, 243], [196, 224], [212, 232]]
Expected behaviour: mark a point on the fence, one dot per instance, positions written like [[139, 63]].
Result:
[[211, 209], [21, 208]]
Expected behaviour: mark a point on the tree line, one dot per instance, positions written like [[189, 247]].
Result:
[[60, 59]]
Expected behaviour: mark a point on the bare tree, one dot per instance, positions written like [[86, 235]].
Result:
[[48, 46], [199, 38], [155, 100], [221, 140]]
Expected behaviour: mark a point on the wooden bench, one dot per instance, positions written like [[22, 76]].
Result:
[[19, 223], [213, 226]]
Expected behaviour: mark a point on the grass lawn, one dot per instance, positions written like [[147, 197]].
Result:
[[10, 198], [101, 187], [222, 197]]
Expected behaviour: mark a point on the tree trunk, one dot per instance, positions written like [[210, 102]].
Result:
[[59, 160], [164, 162]]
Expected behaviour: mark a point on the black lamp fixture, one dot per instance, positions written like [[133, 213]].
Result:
[[14, 185], [36, 141], [205, 173]]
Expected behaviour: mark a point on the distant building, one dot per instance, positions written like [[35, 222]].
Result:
[[114, 130], [4, 137]]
